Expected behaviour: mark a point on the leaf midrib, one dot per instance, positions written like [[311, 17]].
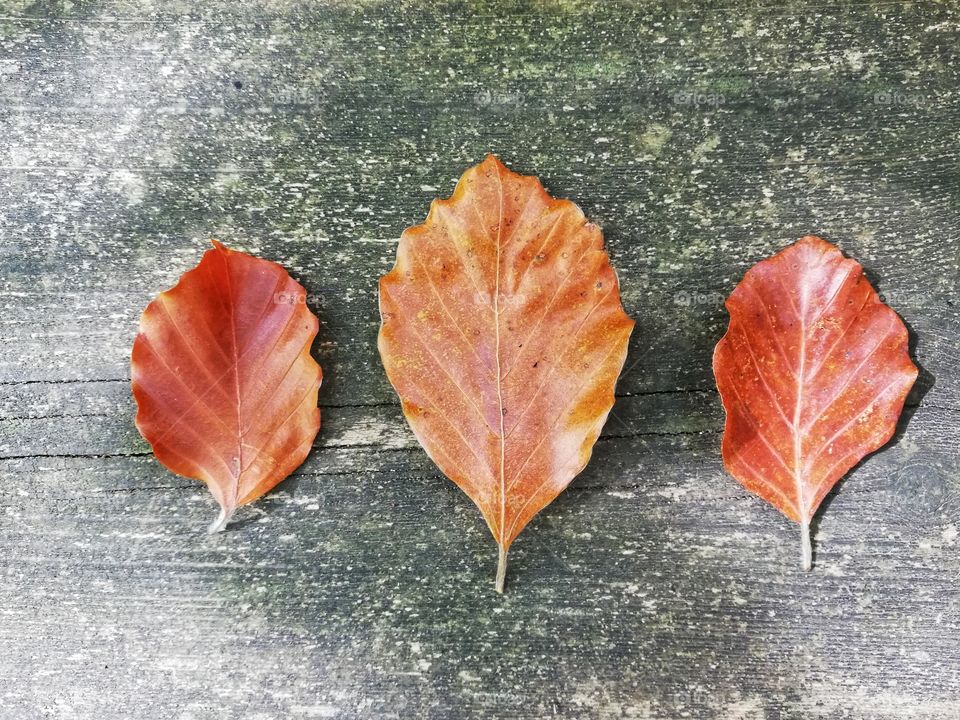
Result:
[[236, 379], [496, 325]]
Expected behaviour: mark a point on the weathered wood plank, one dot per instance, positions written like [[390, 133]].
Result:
[[700, 138]]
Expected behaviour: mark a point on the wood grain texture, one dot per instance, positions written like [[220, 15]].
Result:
[[699, 139]]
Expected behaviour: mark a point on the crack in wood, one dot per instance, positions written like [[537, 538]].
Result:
[[77, 456]]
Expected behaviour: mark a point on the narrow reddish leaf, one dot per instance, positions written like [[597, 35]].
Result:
[[813, 373], [503, 335], [225, 386]]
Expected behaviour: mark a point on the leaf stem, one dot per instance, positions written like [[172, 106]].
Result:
[[501, 569], [220, 523], [806, 552]]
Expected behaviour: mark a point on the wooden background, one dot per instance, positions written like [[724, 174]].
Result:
[[702, 138]]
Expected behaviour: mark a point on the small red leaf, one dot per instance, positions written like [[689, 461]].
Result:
[[813, 373], [225, 386]]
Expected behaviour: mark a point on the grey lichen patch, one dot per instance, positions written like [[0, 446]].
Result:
[[653, 138]]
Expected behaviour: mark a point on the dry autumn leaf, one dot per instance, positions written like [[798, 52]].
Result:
[[503, 335], [225, 386], [813, 372]]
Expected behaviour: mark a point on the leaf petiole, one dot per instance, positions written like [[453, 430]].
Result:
[[220, 524], [806, 552], [501, 569]]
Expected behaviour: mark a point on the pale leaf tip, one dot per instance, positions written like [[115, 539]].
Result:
[[494, 159]]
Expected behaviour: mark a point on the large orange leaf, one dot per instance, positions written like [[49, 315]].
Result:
[[503, 335], [225, 386], [813, 373]]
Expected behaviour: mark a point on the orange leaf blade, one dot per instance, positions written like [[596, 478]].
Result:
[[503, 334], [813, 372], [225, 386]]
